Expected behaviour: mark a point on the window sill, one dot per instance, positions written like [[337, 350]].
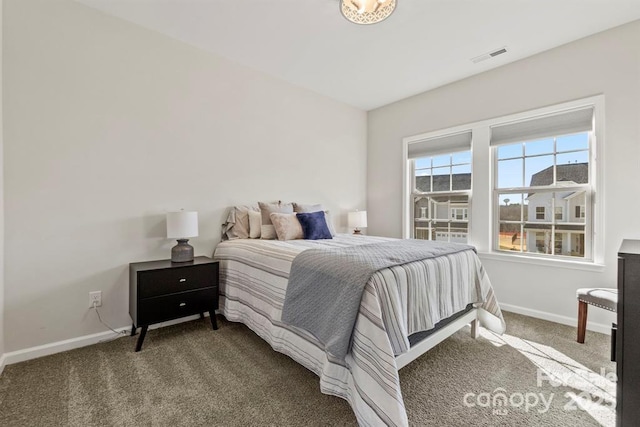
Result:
[[532, 260]]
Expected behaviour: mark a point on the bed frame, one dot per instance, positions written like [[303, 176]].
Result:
[[440, 335]]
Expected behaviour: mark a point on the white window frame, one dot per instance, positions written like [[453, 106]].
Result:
[[409, 172], [483, 210]]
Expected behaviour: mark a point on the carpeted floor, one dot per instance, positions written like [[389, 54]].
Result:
[[188, 374]]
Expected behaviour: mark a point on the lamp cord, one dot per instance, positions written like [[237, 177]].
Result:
[[95, 307]]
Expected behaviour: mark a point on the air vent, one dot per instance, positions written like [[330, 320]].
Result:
[[489, 55]]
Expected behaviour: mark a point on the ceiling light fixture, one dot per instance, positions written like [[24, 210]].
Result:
[[367, 11]]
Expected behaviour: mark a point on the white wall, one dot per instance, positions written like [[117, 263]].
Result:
[[607, 63], [1, 206], [108, 125]]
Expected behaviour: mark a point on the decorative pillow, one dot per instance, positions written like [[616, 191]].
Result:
[[255, 224], [237, 224], [314, 226], [297, 207], [266, 209], [329, 221], [287, 226]]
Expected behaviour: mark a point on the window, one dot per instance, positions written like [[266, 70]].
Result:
[[558, 213], [441, 184], [539, 170], [543, 164]]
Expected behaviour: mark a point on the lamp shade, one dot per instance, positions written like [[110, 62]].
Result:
[[357, 219], [182, 224]]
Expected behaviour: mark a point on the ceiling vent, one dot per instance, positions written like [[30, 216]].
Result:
[[489, 55]]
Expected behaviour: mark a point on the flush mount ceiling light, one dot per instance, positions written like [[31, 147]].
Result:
[[367, 11]]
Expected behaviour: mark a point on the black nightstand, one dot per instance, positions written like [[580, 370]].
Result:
[[165, 290]]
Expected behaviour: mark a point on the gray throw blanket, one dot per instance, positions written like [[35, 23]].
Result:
[[326, 285]]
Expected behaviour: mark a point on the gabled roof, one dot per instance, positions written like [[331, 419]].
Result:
[[461, 181], [574, 172]]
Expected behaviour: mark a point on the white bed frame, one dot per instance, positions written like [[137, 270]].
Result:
[[440, 335]]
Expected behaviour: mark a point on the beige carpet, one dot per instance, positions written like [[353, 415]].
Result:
[[188, 374]]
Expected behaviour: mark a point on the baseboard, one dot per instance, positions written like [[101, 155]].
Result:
[[73, 343], [564, 320], [2, 362]]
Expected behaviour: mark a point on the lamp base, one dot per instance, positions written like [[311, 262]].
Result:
[[357, 231], [182, 252]]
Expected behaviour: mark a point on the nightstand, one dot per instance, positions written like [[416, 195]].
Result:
[[164, 290]]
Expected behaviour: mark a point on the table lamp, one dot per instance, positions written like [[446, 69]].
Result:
[[182, 225], [356, 220]]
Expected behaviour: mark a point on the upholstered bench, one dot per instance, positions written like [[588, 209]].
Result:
[[606, 298]]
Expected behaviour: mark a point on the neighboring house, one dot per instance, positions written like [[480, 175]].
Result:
[[565, 209], [443, 218]]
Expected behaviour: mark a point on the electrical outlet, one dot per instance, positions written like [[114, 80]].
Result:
[[95, 297]]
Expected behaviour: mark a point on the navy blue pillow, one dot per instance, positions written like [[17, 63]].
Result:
[[314, 226]]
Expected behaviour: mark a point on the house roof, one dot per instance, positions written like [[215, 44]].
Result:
[[461, 181], [574, 172]]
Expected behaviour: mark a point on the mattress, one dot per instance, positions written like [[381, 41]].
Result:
[[397, 302]]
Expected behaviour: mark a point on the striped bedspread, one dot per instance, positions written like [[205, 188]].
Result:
[[396, 303]]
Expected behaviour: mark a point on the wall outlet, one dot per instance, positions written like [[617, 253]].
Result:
[[95, 297]]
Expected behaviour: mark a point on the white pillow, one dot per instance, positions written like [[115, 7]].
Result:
[[255, 224], [267, 231]]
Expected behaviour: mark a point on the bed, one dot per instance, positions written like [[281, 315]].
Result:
[[404, 311]]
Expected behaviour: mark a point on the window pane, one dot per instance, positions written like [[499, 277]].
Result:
[[539, 236], [573, 167], [511, 150], [443, 160], [442, 179], [461, 176], [440, 231], [510, 173], [543, 146], [559, 213], [423, 183], [421, 208], [462, 157], [511, 207], [538, 170], [511, 239], [423, 162], [459, 232], [441, 210], [573, 142], [570, 240]]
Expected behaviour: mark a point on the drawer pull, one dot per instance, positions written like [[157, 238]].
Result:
[[183, 280], [182, 304]]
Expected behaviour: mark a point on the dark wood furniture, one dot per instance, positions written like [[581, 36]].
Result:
[[164, 290], [628, 335]]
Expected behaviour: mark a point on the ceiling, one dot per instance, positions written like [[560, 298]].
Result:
[[423, 45]]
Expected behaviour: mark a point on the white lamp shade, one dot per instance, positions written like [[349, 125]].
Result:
[[182, 224], [357, 219]]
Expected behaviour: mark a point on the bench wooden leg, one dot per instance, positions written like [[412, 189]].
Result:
[[582, 320]]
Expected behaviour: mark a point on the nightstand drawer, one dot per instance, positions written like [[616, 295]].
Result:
[[159, 309], [167, 281]]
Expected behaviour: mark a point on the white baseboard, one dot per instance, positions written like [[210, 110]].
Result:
[[73, 343], [564, 320]]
